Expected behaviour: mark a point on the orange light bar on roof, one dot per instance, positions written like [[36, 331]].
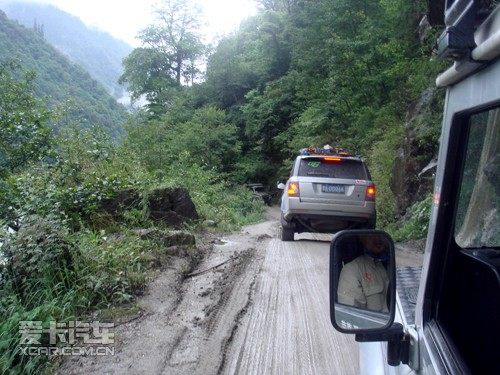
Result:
[[332, 159]]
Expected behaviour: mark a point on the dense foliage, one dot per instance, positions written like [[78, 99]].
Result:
[[61, 256], [97, 52], [24, 135], [63, 83], [299, 73], [350, 73]]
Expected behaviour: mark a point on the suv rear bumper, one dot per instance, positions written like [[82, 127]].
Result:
[[296, 208], [311, 217]]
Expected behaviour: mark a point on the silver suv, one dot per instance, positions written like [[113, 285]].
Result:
[[328, 190]]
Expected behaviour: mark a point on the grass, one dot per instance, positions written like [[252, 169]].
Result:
[[106, 273], [77, 273], [416, 223]]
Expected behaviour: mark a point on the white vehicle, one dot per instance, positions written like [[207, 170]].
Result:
[[328, 190], [445, 317]]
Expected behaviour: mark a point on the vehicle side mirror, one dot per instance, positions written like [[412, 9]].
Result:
[[362, 281], [281, 186]]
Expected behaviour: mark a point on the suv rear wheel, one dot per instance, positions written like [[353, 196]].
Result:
[[287, 234], [372, 223]]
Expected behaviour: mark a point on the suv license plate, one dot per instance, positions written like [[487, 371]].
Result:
[[339, 189]]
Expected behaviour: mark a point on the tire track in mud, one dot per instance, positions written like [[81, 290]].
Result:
[[287, 328], [229, 283], [237, 322], [201, 349], [253, 305], [215, 302]]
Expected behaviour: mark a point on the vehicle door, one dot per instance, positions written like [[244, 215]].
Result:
[[459, 299]]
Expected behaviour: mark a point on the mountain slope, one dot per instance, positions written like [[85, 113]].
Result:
[[60, 80], [97, 52]]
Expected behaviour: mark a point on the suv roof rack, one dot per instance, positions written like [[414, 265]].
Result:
[[326, 150]]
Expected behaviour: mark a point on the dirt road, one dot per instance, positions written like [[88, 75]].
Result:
[[255, 305], [287, 328]]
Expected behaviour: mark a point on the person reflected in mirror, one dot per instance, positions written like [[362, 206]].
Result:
[[364, 281]]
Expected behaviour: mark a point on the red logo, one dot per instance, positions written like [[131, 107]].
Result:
[[368, 277]]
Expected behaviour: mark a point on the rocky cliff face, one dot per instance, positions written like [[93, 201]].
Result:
[[416, 159]]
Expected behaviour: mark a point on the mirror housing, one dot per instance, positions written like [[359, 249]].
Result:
[[366, 302], [281, 186]]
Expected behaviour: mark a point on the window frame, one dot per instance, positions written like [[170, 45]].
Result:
[[445, 249], [467, 123]]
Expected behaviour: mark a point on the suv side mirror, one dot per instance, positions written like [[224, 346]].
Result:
[[362, 281], [281, 186]]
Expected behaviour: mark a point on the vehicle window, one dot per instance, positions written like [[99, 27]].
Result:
[[477, 221], [319, 167]]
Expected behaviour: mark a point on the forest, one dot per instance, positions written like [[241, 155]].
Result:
[[65, 85], [97, 52], [350, 73]]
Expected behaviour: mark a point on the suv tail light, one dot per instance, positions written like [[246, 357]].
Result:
[[293, 189], [371, 191]]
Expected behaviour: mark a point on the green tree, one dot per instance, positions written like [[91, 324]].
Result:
[[278, 5], [211, 142], [24, 134], [171, 49], [258, 53]]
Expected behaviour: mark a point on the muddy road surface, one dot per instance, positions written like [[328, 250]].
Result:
[[254, 305], [287, 328]]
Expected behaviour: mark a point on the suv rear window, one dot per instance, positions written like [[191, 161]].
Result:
[[319, 167]]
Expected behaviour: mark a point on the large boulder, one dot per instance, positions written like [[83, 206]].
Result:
[[171, 206]]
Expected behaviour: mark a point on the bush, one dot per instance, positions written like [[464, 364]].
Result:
[[38, 257], [87, 169], [52, 275], [13, 311], [415, 223], [112, 270], [381, 163], [212, 142], [24, 132], [229, 206]]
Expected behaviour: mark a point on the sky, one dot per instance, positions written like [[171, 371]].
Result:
[[125, 18]]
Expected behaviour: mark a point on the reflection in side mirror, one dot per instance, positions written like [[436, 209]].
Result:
[[281, 186], [362, 281]]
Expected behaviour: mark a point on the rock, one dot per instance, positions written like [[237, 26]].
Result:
[[168, 217], [412, 175], [178, 238], [182, 204], [209, 223], [171, 206], [172, 250]]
